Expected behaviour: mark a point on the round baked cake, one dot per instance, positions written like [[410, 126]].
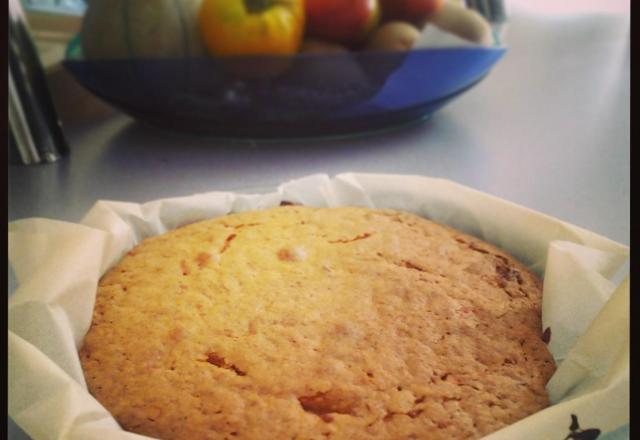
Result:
[[315, 323]]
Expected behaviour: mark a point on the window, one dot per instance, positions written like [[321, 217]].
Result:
[[67, 7]]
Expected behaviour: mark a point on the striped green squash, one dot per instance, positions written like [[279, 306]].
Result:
[[141, 29]]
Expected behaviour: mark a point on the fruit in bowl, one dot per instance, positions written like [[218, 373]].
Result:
[[412, 11], [463, 22], [236, 29], [197, 65], [394, 35], [190, 28], [141, 29], [342, 21], [252, 27]]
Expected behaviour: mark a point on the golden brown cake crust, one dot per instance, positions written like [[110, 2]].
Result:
[[306, 323]]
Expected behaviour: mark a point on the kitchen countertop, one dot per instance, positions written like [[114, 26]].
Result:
[[549, 129]]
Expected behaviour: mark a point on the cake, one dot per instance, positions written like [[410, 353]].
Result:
[[314, 323]]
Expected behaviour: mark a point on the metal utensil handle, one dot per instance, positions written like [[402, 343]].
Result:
[[35, 130]]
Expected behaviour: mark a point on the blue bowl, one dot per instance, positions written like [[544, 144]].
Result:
[[317, 95]]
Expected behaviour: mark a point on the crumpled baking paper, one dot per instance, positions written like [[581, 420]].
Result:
[[59, 264]]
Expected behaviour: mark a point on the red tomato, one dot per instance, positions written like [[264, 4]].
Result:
[[342, 21], [414, 11]]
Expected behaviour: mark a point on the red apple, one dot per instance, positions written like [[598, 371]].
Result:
[[342, 21], [413, 11]]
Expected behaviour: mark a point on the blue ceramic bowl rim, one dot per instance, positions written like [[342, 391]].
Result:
[[73, 51]]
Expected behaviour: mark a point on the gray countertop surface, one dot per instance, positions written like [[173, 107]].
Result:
[[549, 129]]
